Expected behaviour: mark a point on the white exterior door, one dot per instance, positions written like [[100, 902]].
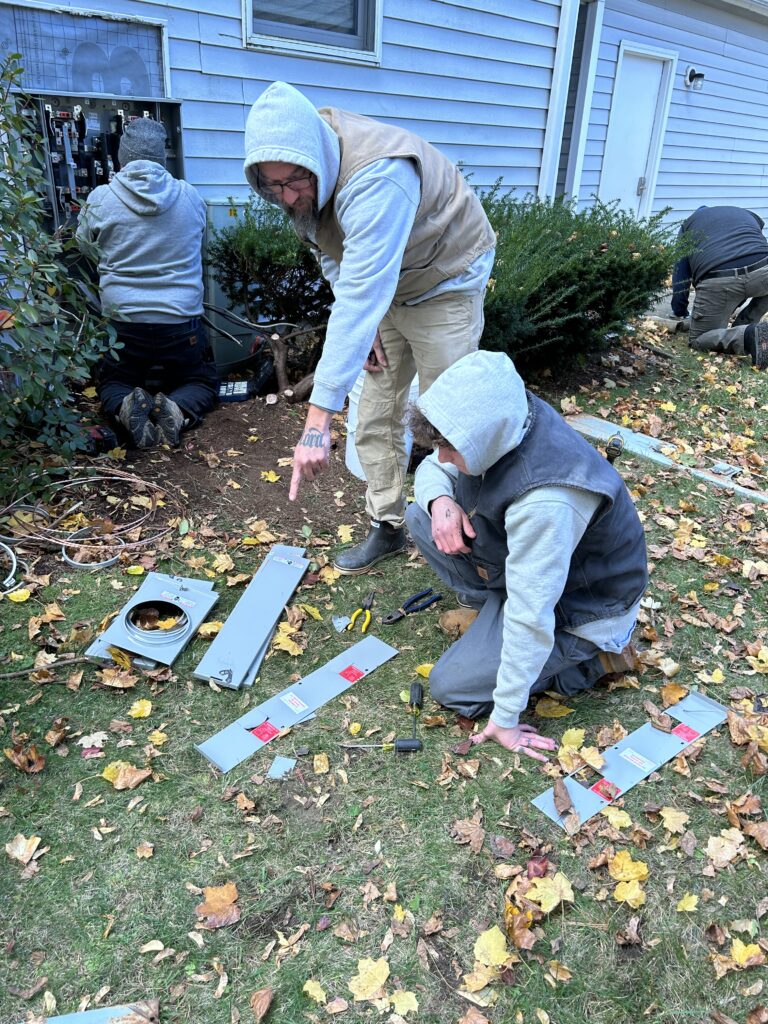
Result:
[[638, 117]]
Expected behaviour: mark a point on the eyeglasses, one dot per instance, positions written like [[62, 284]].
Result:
[[299, 183]]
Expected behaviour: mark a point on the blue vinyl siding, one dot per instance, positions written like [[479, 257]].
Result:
[[715, 148], [473, 80]]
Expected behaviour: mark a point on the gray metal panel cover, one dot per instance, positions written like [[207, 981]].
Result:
[[244, 636]]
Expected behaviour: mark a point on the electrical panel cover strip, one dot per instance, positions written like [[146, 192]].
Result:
[[242, 641], [634, 758], [295, 704]]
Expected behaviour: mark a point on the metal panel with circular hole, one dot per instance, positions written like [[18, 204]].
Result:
[[188, 600]]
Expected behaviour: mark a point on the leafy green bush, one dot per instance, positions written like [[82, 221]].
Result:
[[568, 278], [48, 339], [263, 268]]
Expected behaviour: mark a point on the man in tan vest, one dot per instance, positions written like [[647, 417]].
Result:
[[407, 249]]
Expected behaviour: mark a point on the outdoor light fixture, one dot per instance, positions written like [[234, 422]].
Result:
[[693, 79]]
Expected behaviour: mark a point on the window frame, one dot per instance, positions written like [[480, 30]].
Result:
[[316, 48]]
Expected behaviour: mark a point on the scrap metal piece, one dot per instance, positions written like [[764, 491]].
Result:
[[633, 759], [145, 1012], [295, 704], [653, 448], [236, 653], [193, 598], [340, 622], [281, 767]]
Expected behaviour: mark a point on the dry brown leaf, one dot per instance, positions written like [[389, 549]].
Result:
[[260, 1003], [469, 830], [219, 907], [25, 758]]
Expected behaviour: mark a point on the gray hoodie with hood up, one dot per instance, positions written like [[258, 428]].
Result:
[[376, 210], [148, 229], [479, 405]]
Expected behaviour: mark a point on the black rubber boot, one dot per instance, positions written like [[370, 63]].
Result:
[[383, 541], [756, 344]]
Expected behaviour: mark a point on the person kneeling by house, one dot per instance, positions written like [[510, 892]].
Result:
[[728, 267], [147, 228], [532, 527]]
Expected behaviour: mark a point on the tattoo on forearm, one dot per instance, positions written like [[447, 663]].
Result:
[[313, 439]]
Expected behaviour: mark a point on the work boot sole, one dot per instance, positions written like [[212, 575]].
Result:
[[761, 346], [361, 570], [143, 433], [169, 419]]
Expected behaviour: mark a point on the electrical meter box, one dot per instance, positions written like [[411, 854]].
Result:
[[81, 136], [87, 75]]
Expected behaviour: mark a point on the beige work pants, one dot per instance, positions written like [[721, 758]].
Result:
[[426, 339]]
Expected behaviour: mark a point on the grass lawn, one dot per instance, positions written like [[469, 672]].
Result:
[[359, 859]]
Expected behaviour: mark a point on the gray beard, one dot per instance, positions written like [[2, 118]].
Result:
[[305, 222]]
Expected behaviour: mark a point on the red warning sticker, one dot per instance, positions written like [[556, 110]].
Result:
[[685, 732], [352, 673], [607, 790], [265, 732]]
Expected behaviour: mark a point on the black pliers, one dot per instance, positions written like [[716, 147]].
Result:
[[413, 604]]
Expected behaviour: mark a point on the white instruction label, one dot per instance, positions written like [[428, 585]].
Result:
[[643, 763], [294, 702]]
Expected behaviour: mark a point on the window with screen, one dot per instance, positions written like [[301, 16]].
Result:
[[331, 26]]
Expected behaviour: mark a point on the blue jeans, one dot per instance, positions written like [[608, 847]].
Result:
[[464, 678], [175, 356]]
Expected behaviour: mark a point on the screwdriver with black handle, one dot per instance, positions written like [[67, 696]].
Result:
[[411, 745]]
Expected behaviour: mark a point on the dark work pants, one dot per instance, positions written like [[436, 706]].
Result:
[[179, 358], [464, 678]]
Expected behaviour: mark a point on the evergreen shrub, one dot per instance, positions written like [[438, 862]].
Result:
[[565, 279], [265, 270], [48, 338]]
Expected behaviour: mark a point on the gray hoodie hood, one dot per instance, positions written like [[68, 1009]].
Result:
[[146, 188], [479, 405], [284, 127]]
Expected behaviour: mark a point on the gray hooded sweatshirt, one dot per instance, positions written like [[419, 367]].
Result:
[[479, 405], [376, 210], [148, 229]]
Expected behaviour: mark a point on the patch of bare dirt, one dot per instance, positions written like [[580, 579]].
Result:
[[226, 467]]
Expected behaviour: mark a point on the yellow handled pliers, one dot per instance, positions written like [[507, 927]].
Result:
[[365, 611]]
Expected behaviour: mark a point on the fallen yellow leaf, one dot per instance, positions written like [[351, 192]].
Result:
[[89, 392], [674, 820], [548, 708], [623, 869], [140, 709], [320, 764], [120, 657], [19, 596], [491, 947], [424, 670], [354, 728], [549, 892], [404, 1002], [687, 904], [270, 476], [145, 850], [370, 977], [209, 629], [573, 738], [630, 892], [315, 991], [311, 610], [157, 738], [344, 534], [741, 953], [135, 570], [617, 817]]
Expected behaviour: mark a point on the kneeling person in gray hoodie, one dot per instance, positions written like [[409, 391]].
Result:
[[531, 526], [147, 228]]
